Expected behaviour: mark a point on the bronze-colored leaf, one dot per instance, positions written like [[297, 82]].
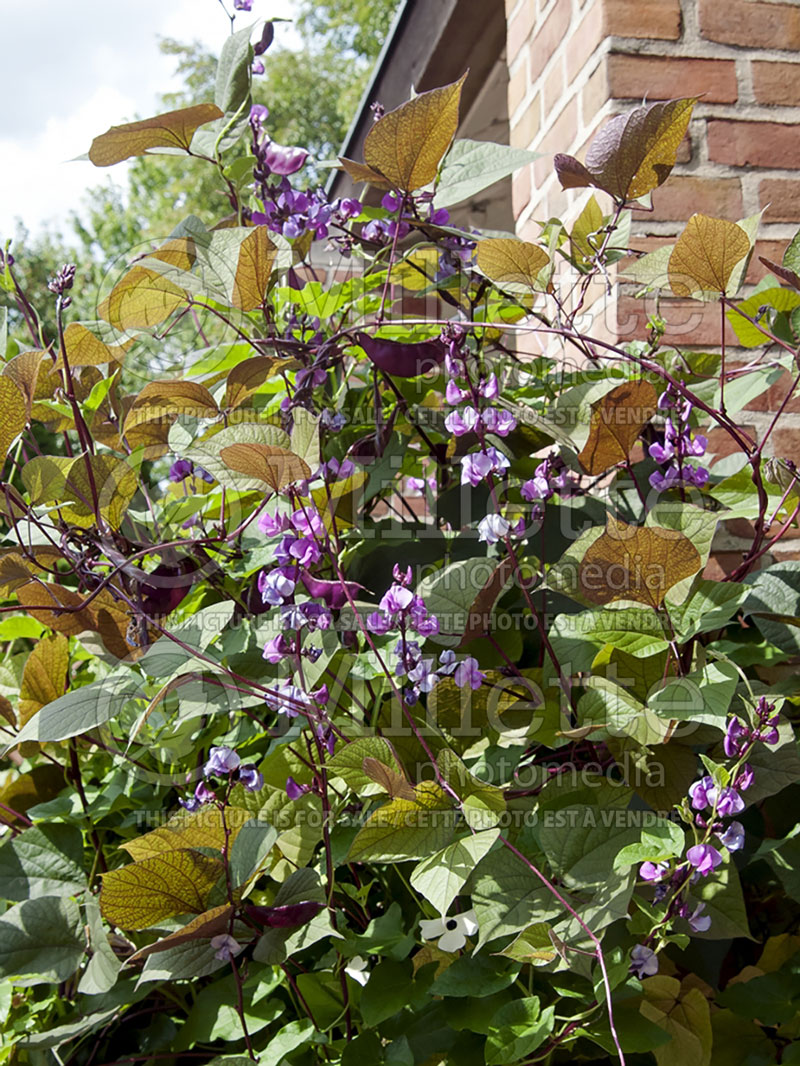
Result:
[[180, 252], [247, 377], [390, 781], [23, 370], [44, 678], [479, 617], [360, 172], [277, 466], [407, 144], [147, 892], [72, 621], [164, 400], [617, 420], [586, 237], [639, 563], [256, 259], [186, 830], [85, 348], [633, 153], [13, 415], [203, 927], [704, 256], [141, 298], [24, 791], [173, 129], [511, 262]]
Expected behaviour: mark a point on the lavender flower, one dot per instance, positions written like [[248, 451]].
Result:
[[467, 673], [493, 528], [644, 962], [180, 469], [221, 761], [224, 945], [294, 790], [476, 467], [733, 837], [698, 922], [704, 858], [651, 871]]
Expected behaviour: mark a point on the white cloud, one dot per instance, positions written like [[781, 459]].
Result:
[[72, 70]]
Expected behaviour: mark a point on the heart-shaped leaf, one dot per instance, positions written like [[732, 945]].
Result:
[[407, 144], [511, 262], [85, 348], [360, 172], [617, 421], [256, 259], [390, 780], [640, 563], [203, 927], [147, 892], [247, 377], [174, 129], [140, 299], [13, 415], [163, 400], [704, 257], [633, 153], [277, 466], [45, 675]]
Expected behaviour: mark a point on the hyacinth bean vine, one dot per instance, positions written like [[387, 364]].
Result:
[[371, 692]]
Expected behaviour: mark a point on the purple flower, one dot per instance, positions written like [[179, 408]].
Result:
[[652, 871], [349, 208], [305, 550], [500, 422], [489, 389], [459, 423], [704, 858], [275, 586], [736, 738], [180, 469], [391, 201], [293, 790], [271, 525], [453, 394], [243, 5], [493, 528], [396, 599], [221, 761], [536, 488], [698, 793], [287, 699], [251, 778], [728, 801], [257, 66], [277, 649], [225, 947], [202, 794], [699, 922], [378, 623], [745, 778], [467, 673], [474, 468], [333, 469], [439, 217], [424, 623], [733, 837], [644, 962]]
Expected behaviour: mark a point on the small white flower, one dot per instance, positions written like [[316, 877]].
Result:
[[452, 932], [493, 528], [357, 969]]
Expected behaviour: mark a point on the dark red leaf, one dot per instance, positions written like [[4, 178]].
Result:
[[402, 359]]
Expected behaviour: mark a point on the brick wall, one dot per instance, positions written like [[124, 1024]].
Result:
[[575, 63]]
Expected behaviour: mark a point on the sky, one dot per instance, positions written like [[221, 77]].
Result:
[[71, 70]]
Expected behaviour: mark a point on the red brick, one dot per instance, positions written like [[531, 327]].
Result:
[[777, 83], [595, 92], [520, 190], [553, 88], [654, 19], [690, 323], [770, 250], [518, 84], [751, 24], [549, 36], [679, 197], [781, 198], [754, 144], [520, 28], [660, 78], [721, 444], [786, 443], [559, 138], [526, 128], [584, 40], [721, 564], [772, 397]]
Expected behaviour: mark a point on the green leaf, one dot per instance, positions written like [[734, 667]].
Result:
[[703, 696], [348, 763], [187, 961], [750, 336], [291, 1036], [472, 166], [449, 594], [406, 829], [711, 606], [305, 437], [584, 855], [387, 991], [80, 710], [507, 897], [45, 860], [206, 453], [41, 939], [517, 1029], [772, 999], [104, 966], [441, 877], [724, 905], [250, 850], [476, 975]]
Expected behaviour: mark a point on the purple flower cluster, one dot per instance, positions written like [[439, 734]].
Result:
[[500, 422], [401, 609], [381, 230], [183, 468], [224, 763], [290, 700], [739, 737], [680, 445], [551, 476]]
